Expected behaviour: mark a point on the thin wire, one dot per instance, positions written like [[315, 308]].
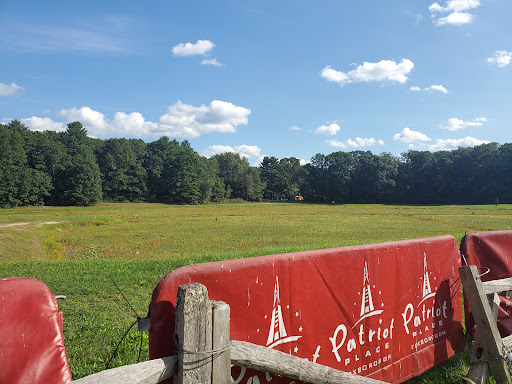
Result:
[[212, 352], [133, 309], [481, 274], [464, 258], [140, 347], [179, 348], [120, 341], [486, 272]]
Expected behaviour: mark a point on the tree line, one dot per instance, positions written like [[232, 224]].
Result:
[[70, 168]]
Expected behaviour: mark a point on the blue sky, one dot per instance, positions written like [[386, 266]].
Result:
[[263, 78]]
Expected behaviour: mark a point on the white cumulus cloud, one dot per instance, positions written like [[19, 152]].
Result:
[[35, 123], [409, 136], [184, 120], [243, 150], [455, 124], [330, 129], [248, 150], [129, 125], [455, 10], [295, 128], [501, 58], [455, 18], [336, 76], [438, 88], [450, 144], [92, 120], [384, 70], [9, 89], [181, 121], [213, 150], [201, 47], [356, 143]]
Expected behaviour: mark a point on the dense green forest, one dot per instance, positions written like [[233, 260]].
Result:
[[70, 168]]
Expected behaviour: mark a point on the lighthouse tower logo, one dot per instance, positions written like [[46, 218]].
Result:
[[367, 307], [277, 334], [367, 303], [427, 290]]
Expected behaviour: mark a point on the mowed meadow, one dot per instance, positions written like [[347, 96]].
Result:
[[80, 252]]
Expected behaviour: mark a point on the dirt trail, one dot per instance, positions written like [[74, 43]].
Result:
[[36, 224], [13, 225], [48, 223]]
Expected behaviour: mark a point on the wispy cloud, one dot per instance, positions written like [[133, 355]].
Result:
[[9, 89], [455, 124], [356, 143], [213, 62], [438, 88], [97, 37], [417, 17], [450, 144], [383, 71], [501, 58]]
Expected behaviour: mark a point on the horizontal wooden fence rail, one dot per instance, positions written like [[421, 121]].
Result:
[[147, 372], [205, 352], [242, 354], [497, 286], [268, 360]]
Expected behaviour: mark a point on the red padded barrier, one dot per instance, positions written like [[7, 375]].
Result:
[[492, 250], [31, 341], [389, 311]]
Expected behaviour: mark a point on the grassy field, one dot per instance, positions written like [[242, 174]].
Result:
[[78, 251]]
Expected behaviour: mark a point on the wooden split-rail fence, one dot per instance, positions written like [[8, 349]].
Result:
[[205, 352]]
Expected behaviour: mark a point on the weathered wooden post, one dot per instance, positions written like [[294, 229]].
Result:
[[479, 368], [202, 337], [221, 369], [193, 334], [485, 323]]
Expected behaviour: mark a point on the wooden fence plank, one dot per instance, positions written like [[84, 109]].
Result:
[[497, 286], [269, 360], [507, 341], [147, 372], [494, 302], [221, 369], [479, 371], [485, 323], [193, 330]]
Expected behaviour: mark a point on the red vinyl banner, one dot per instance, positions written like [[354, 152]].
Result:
[[388, 311], [492, 253]]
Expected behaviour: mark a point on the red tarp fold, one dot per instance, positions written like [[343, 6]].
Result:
[[492, 253]]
